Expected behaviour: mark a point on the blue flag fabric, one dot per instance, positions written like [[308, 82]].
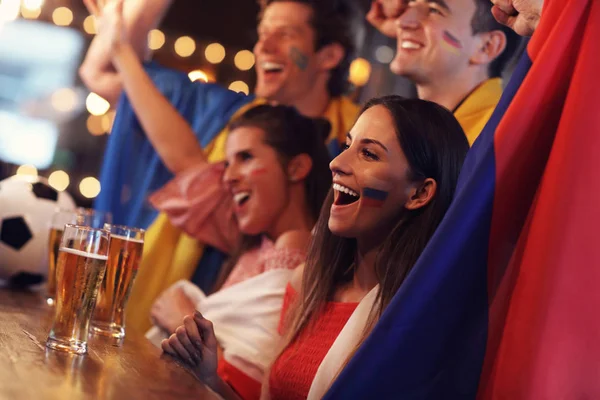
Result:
[[132, 169]]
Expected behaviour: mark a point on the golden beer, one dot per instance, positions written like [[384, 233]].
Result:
[[124, 255], [53, 246], [57, 226], [79, 271]]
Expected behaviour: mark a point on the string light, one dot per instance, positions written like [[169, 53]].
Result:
[[32, 4], [94, 125], [59, 180], [198, 75], [244, 60], [96, 105], [31, 9], [89, 187], [156, 39], [185, 46], [62, 16], [240, 87], [107, 121], [27, 170], [89, 25], [9, 10], [214, 53], [360, 71]]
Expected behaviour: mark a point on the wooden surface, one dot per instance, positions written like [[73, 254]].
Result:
[[28, 370]]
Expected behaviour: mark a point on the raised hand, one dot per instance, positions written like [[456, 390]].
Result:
[[522, 16], [109, 21], [383, 15], [196, 345]]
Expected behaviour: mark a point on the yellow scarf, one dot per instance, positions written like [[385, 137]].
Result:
[[171, 255]]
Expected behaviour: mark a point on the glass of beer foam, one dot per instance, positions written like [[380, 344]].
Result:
[[57, 226], [124, 255], [81, 265]]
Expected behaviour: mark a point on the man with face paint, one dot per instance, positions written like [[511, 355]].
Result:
[[454, 51], [303, 57]]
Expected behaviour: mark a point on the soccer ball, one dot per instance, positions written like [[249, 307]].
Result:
[[27, 205]]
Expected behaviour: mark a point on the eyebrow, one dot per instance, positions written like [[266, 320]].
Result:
[[369, 141], [239, 152], [441, 3]]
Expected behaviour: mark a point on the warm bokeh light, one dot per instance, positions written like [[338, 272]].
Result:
[[32, 4], [62, 16], [96, 105], [107, 121], [64, 100], [198, 75], [89, 25], [9, 10], [30, 10], [384, 54], [185, 46], [94, 125], [244, 60], [89, 187], [214, 53], [240, 87], [59, 180], [360, 71], [156, 39], [27, 169]]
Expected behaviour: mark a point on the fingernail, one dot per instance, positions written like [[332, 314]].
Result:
[[198, 343]]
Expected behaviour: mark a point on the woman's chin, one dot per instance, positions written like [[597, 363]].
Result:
[[340, 229], [251, 229]]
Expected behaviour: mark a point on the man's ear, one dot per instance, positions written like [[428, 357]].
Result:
[[330, 56], [491, 45]]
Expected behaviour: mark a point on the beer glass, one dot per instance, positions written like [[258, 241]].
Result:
[[57, 225], [81, 265], [124, 255]]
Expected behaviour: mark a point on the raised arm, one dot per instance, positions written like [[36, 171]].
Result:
[[170, 134], [97, 71]]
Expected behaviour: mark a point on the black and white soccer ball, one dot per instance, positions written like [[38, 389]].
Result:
[[27, 205]]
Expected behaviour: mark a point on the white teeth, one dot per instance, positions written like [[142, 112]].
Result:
[[271, 66], [407, 44], [241, 196], [344, 189]]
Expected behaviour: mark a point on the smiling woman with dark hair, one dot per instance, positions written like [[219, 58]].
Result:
[[259, 207], [392, 186]]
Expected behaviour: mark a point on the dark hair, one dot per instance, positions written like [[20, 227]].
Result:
[[435, 147], [484, 21], [290, 134], [334, 21]]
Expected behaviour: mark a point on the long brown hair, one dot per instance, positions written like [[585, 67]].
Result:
[[290, 134], [435, 146]]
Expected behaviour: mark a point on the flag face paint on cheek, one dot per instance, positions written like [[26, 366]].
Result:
[[451, 43], [258, 171], [298, 58], [374, 197]]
